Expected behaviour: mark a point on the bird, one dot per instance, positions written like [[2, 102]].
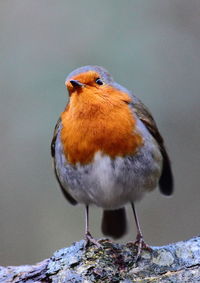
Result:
[[107, 151]]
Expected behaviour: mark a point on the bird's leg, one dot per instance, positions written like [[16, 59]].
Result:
[[88, 237], [139, 239]]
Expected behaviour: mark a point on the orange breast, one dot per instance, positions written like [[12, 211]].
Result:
[[98, 121]]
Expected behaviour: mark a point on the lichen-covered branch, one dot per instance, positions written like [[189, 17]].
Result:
[[179, 262]]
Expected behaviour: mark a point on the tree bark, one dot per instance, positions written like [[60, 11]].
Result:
[[179, 262]]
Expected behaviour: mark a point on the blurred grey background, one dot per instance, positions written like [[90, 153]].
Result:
[[151, 47]]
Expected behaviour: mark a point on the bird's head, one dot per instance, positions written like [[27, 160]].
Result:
[[95, 85]]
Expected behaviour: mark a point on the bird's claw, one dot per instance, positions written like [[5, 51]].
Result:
[[89, 239], [141, 245]]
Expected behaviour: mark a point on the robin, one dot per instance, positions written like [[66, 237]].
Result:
[[107, 150]]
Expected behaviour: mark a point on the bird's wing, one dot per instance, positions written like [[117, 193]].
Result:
[[166, 178], [56, 131]]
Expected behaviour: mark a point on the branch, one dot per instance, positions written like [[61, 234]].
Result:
[[179, 262]]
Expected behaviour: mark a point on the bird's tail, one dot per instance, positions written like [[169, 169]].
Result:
[[114, 223]]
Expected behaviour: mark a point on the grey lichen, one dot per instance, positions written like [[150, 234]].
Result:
[[164, 258], [113, 263]]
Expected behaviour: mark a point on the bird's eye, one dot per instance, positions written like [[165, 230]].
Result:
[[99, 81]]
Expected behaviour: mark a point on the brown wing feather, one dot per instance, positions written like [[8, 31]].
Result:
[[66, 194], [166, 178]]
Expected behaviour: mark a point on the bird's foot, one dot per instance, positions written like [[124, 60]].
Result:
[[141, 245], [89, 239]]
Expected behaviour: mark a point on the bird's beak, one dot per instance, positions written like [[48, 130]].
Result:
[[73, 85], [76, 84]]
